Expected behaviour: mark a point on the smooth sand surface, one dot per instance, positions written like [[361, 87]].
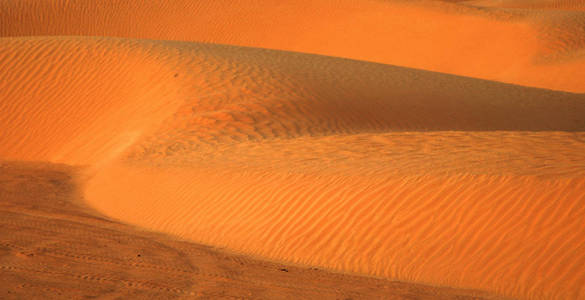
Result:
[[352, 166]]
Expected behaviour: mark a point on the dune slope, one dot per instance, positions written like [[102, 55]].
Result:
[[367, 168], [543, 49], [531, 4], [53, 247], [64, 100], [472, 178], [350, 166]]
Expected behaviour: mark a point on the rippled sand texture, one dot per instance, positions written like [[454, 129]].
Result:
[[535, 47], [532, 4], [54, 247], [322, 161]]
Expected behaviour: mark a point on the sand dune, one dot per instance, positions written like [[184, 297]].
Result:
[[212, 94], [448, 151], [502, 45], [53, 247], [518, 236], [77, 102], [319, 175], [532, 4], [346, 165]]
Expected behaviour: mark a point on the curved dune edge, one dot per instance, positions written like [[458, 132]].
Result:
[[531, 48], [325, 203], [169, 125], [517, 236], [531, 4], [54, 247], [369, 216], [80, 101]]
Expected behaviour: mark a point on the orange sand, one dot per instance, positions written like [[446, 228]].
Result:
[[531, 4], [353, 166], [53, 247], [540, 49], [74, 101]]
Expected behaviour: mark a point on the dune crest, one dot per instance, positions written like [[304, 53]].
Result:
[[78, 101], [495, 44], [436, 142], [352, 166], [517, 236], [53, 247], [330, 167]]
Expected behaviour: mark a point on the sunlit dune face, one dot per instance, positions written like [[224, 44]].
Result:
[[452, 38], [437, 142], [77, 102]]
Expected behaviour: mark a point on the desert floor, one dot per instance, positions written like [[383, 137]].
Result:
[[292, 149]]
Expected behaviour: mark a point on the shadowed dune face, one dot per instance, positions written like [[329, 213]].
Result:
[[352, 166], [531, 4], [347, 165], [111, 92], [494, 44], [53, 247]]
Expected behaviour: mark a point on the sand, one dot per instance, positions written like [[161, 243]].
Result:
[[531, 4], [538, 47], [449, 152], [55, 247]]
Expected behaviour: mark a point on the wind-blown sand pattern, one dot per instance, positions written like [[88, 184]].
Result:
[[449, 152], [60, 249], [527, 47]]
